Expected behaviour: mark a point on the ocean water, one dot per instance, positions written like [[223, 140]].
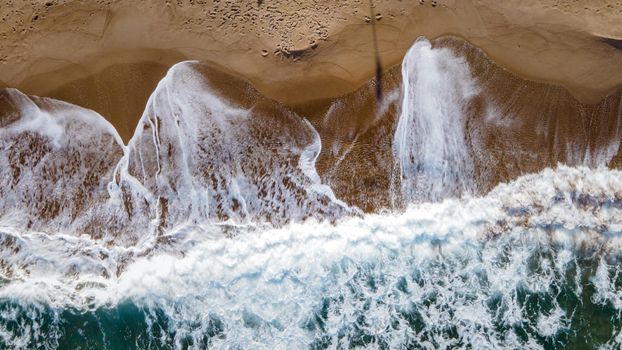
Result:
[[211, 228]]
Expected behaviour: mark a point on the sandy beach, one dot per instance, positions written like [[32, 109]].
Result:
[[109, 55], [242, 174]]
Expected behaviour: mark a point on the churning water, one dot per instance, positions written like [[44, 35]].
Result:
[[212, 229], [430, 140]]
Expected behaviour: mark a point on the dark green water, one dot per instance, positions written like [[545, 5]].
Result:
[[589, 320]]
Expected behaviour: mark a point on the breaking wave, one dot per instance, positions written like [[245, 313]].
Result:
[[533, 264], [212, 228]]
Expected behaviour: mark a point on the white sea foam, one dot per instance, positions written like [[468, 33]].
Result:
[[195, 157], [441, 263], [429, 139], [55, 162], [200, 157], [201, 171]]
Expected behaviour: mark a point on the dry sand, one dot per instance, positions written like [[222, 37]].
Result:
[[109, 54]]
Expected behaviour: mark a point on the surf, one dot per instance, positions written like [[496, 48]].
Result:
[[212, 226]]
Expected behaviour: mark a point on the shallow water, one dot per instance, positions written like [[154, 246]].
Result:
[[212, 228]]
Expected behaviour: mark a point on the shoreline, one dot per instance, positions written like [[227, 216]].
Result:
[[330, 59]]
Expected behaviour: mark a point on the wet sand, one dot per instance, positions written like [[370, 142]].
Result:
[[116, 85], [513, 127], [552, 69], [297, 52]]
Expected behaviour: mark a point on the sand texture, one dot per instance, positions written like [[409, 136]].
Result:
[[297, 51]]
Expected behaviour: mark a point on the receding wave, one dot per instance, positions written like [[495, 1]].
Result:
[[226, 220], [534, 263], [430, 139]]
